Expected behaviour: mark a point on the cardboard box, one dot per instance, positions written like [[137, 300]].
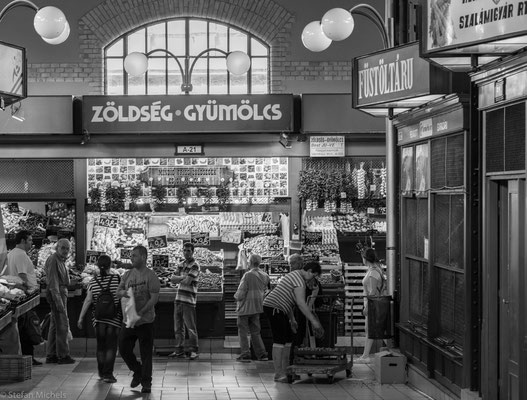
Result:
[[390, 367]]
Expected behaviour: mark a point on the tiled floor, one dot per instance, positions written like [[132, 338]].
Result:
[[212, 377]]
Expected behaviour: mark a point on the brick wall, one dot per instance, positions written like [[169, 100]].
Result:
[[111, 19]]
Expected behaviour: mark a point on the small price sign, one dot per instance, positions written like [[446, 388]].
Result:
[[157, 242], [279, 267], [13, 207], [311, 238], [232, 237], [108, 221], [200, 239], [126, 254], [160, 261], [267, 217], [92, 256], [276, 244]]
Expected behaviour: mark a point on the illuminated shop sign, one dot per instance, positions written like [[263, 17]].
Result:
[[469, 24], [396, 78], [192, 113]]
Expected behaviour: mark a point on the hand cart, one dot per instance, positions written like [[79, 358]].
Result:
[[320, 360]]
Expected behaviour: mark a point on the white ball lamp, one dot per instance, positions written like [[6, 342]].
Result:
[[51, 24], [314, 38], [337, 24], [136, 63], [238, 62]]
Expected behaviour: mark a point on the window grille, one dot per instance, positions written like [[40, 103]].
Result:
[[37, 178], [186, 38]]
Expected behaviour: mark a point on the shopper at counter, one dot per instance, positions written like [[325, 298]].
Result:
[[57, 281], [296, 262], [145, 285], [185, 304], [279, 305], [249, 298], [19, 264], [106, 329]]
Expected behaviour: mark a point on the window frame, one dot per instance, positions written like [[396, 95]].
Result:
[[207, 57]]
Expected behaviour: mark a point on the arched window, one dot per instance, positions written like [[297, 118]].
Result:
[[186, 38]]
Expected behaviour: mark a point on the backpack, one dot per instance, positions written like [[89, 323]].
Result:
[[383, 291], [105, 307]]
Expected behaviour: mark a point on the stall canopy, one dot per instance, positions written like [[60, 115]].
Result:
[[461, 35], [397, 79]]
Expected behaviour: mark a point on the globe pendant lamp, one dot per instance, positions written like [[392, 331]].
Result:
[[238, 62], [51, 23], [314, 38], [337, 24], [136, 63]]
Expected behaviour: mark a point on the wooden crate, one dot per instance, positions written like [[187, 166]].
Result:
[[15, 368]]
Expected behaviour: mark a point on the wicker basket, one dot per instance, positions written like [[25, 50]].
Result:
[[15, 368]]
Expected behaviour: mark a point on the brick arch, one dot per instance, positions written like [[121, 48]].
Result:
[[109, 20]]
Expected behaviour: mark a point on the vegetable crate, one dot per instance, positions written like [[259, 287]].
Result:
[[320, 360], [15, 368]]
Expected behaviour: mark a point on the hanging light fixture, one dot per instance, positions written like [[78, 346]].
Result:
[[237, 63], [49, 22]]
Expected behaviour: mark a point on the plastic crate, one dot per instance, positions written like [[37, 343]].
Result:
[[15, 368]]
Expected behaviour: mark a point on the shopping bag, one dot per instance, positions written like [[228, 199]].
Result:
[[379, 317], [130, 316]]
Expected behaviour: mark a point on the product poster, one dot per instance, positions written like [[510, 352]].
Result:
[[11, 70], [421, 168], [454, 23], [407, 170], [258, 178]]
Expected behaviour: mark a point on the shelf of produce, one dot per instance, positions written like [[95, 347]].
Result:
[[5, 319], [26, 305]]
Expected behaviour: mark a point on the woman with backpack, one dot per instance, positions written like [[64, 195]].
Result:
[[374, 284], [106, 316]]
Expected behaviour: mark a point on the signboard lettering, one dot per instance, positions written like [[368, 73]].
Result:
[[157, 242], [200, 239], [160, 261], [189, 149], [198, 113], [390, 76], [395, 76], [108, 221], [327, 146]]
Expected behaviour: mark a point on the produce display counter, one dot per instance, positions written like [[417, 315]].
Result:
[[167, 295], [5, 319]]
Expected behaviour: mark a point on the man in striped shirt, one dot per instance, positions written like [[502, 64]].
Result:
[[279, 305], [185, 304]]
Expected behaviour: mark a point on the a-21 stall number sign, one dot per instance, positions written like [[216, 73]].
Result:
[[108, 221], [200, 239], [157, 242]]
